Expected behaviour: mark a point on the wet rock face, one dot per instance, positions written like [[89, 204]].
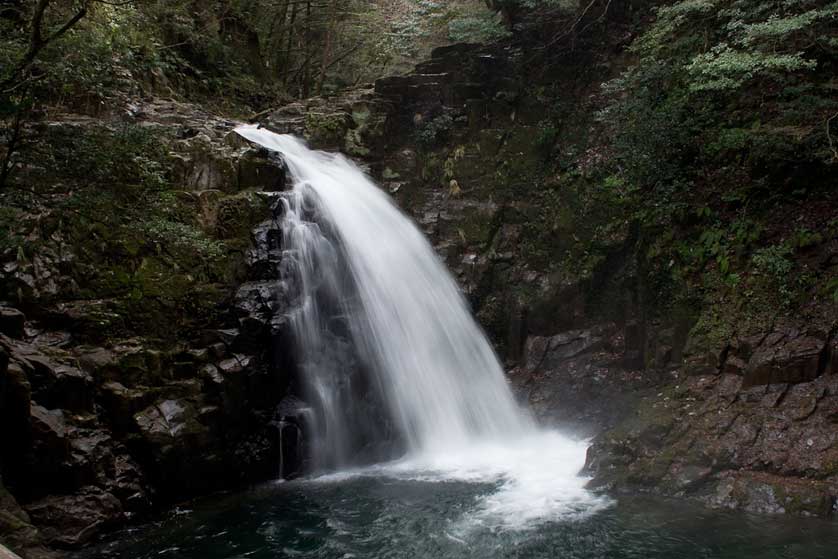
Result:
[[73, 520], [15, 399], [750, 426], [190, 433], [768, 494], [566, 378], [17, 531], [787, 355], [97, 434], [57, 445], [721, 438]]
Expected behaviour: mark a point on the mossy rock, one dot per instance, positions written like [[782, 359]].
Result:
[[327, 130], [237, 215], [474, 225], [16, 529]]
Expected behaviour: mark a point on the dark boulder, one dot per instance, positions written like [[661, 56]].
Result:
[[787, 356], [97, 459], [551, 352], [50, 450], [258, 304], [130, 362], [264, 258], [12, 322], [122, 403], [179, 451], [70, 521], [16, 528], [263, 169], [15, 394], [55, 385]]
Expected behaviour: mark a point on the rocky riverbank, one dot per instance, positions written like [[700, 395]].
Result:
[[108, 418]]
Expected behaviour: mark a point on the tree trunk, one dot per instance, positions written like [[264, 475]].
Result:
[[306, 80], [331, 23], [287, 62]]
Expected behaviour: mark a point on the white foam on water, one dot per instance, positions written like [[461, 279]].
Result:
[[445, 388], [536, 480]]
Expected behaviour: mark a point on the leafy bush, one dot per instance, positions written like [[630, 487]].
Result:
[[724, 68], [480, 27], [432, 132], [127, 158], [774, 261], [716, 129]]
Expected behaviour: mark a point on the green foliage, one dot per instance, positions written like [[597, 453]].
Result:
[[534, 4], [778, 27], [774, 261], [105, 54], [723, 45], [803, 239], [650, 152], [547, 136], [728, 141], [724, 68], [239, 54], [434, 131], [776, 264], [102, 57], [480, 27], [832, 289], [9, 237], [715, 130], [165, 230], [108, 195]]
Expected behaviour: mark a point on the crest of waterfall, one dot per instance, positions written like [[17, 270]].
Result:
[[380, 319]]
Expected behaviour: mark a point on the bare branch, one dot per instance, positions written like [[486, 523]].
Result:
[[37, 41]]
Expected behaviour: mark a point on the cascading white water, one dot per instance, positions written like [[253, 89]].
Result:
[[361, 262], [434, 365]]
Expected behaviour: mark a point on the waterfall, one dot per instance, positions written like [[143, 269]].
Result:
[[392, 362], [363, 267]]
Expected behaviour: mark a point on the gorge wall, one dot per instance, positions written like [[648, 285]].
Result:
[[716, 383], [142, 357]]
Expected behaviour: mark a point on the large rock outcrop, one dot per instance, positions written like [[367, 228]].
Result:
[[104, 417], [755, 431]]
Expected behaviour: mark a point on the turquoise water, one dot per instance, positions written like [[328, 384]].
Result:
[[385, 517]]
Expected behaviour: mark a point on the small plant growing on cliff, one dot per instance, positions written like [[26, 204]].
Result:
[[546, 138], [832, 289], [431, 133], [774, 262], [8, 237], [182, 236], [479, 27]]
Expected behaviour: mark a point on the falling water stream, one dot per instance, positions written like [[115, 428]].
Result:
[[420, 449], [364, 269]]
